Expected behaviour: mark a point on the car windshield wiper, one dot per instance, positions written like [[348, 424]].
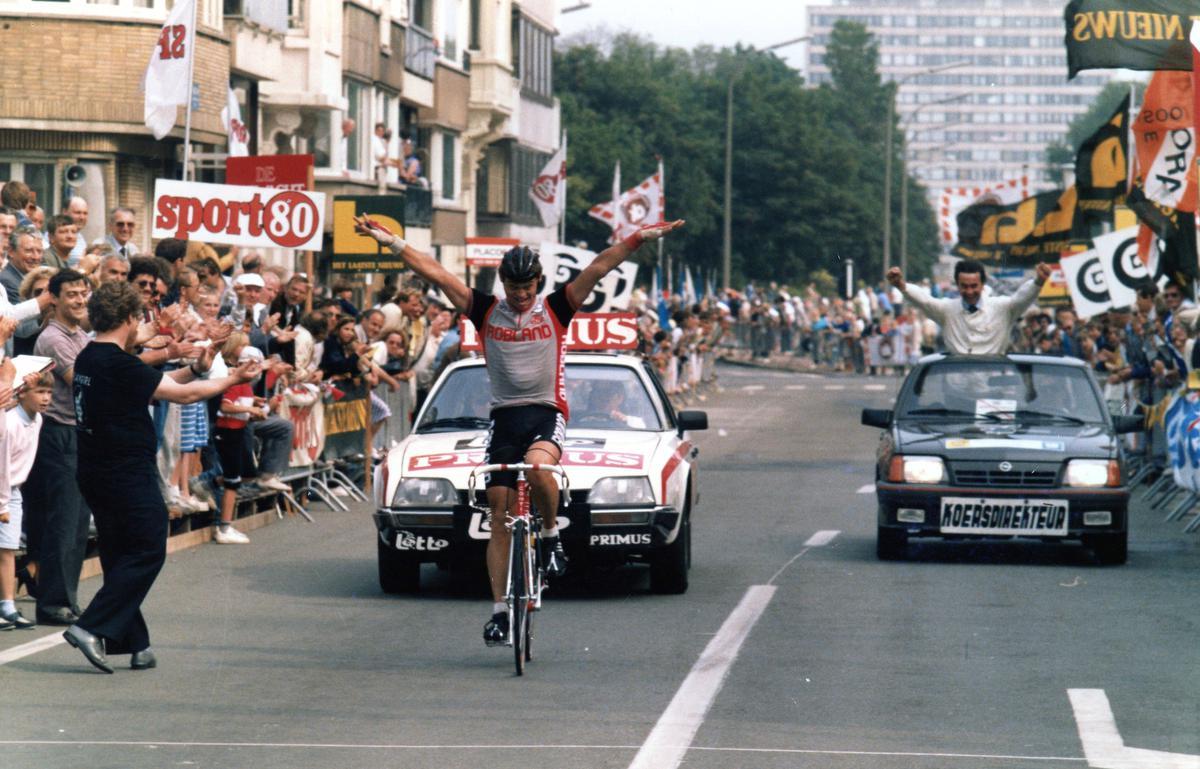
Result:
[[457, 422], [944, 412], [1029, 414]]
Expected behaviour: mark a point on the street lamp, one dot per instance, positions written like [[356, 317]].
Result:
[[887, 151], [727, 229], [581, 5], [907, 119], [904, 201]]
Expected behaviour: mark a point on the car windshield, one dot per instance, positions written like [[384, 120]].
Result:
[[604, 397], [1002, 391]]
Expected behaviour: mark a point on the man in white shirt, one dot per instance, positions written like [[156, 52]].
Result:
[[973, 324]]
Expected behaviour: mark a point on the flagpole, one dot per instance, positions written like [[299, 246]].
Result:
[[1130, 146], [662, 190], [187, 120], [562, 214]]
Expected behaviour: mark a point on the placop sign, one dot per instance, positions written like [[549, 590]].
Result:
[[238, 216]]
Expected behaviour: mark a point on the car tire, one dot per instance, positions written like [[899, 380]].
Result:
[[1110, 549], [398, 573], [891, 544], [669, 566]]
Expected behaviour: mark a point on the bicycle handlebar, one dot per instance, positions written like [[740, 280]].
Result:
[[518, 467]]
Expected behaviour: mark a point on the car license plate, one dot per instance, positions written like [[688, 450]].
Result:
[[1012, 516]]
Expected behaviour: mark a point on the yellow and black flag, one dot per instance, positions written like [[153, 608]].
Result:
[[1021, 234], [1102, 165], [1128, 34]]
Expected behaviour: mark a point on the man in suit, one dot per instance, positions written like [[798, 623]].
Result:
[[121, 224], [24, 254], [118, 474]]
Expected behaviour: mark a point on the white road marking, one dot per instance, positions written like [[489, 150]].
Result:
[[866, 488], [722, 432], [753, 388], [1102, 743], [510, 746], [875, 387], [676, 728], [31, 647], [795, 387], [835, 387], [823, 537]]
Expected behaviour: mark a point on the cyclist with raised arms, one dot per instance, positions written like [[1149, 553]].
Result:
[[524, 340]]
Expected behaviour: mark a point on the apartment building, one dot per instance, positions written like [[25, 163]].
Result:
[[983, 87], [467, 80]]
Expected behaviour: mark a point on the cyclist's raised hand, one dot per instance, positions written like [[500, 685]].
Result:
[[654, 231], [365, 225]]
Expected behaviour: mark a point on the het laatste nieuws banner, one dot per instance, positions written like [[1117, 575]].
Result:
[[1129, 34]]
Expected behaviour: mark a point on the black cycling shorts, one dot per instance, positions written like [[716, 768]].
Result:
[[514, 429]]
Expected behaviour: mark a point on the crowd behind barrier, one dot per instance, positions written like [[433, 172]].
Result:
[[342, 381]]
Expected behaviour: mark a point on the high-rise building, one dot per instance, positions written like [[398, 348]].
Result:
[[983, 83]]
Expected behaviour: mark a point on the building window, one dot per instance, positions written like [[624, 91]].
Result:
[[450, 29], [532, 50], [355, 94], [39, 177], [449, 159], [420, 13]]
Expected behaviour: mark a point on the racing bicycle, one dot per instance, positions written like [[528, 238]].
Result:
[[526, 572]]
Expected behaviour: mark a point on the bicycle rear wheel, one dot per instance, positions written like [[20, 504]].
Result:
[[519, 620]]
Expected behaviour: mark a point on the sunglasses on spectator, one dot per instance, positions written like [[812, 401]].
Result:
[[144, 283], [123, 224]]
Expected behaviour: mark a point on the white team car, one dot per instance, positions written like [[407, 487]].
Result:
[[628, 456]]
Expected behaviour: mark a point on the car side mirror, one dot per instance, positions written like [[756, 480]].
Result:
[[692, 420], [1128, 423], [877, 418]]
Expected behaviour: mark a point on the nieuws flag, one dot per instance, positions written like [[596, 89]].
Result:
[[632, 209], [166, 79], [239, 135], [1128, 34], [549, 190]]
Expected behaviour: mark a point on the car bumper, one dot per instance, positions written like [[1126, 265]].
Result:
[[901, 504], [461, 532]]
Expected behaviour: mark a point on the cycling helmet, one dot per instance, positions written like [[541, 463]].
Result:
[[520, 264]]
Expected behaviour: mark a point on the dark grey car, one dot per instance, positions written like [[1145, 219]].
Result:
[[1001, 447]]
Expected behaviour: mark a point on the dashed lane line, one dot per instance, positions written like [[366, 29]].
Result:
[[821, 538], [866, 488]]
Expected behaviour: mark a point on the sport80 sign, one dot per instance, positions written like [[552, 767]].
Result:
[[237, 215]]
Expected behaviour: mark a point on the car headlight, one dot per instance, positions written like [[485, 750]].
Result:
[[622, 491], [425, 492], [1093, 472], [916, 469]]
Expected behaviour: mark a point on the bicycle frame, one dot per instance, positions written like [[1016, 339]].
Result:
[[526, 576]]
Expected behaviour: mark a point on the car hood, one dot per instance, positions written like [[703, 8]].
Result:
[[1035, 441], [588, 455]]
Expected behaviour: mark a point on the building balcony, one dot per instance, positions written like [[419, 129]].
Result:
[[493, 88]]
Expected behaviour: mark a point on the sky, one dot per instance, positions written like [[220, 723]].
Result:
[[687, 23]]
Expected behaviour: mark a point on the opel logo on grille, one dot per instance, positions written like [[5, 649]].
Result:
[[1006, 467]]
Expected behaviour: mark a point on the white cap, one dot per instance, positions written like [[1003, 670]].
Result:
[[250, 279]]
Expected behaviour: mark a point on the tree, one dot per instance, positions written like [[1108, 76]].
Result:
[[1060, 154], [807, 179]]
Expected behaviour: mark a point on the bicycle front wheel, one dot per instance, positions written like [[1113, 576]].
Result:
[[519, 617]]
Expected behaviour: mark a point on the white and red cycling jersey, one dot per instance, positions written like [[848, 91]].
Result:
[[524, 350]]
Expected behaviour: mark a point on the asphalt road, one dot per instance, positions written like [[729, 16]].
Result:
[[794, 646]]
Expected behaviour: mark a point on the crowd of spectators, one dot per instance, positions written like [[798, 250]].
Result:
[[314, 342]]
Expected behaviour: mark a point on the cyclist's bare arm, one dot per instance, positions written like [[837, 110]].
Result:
[[608, 259], [422, 264]]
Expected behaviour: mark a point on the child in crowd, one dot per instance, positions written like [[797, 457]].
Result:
[[238, 407], [21, 427]]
